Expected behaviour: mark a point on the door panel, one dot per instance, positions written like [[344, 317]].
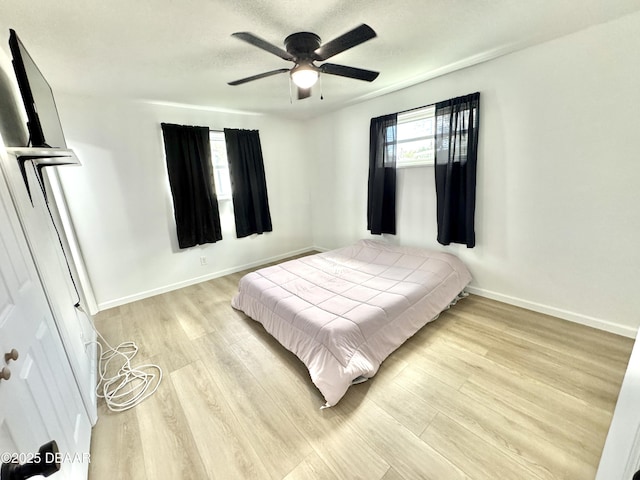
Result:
[[40, 401], [74, 326]]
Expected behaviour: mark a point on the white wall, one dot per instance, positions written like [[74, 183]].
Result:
[[121, 203], [558, 199], [557, 209]]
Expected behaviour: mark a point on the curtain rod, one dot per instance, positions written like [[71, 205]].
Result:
[[429, 104], [416, 108]]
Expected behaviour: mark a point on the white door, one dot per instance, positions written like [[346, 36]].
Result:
[[40, 401], [74, 326], [621, 454]]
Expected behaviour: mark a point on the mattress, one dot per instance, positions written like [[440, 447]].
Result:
[[344, 311]]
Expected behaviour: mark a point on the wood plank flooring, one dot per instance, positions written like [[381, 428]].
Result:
[[487, 391]]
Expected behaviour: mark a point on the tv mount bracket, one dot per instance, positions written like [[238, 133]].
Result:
[[41, 158]]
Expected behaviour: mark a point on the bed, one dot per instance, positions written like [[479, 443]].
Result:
[[344, 311]]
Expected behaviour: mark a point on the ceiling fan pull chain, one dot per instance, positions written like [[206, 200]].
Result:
[[290, 93], [321, 94]]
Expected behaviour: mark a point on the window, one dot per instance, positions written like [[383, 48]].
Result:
[[220, 165], [415, 138]]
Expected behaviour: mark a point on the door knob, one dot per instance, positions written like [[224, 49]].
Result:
[[12, 355], [5, 374]]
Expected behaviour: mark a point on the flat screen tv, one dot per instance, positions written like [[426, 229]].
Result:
[[43, 121]]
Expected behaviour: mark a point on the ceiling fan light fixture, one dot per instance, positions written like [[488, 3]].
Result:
[[305, 48], [304, 76]]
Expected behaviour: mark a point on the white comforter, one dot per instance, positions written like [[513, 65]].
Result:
[[344, 311]]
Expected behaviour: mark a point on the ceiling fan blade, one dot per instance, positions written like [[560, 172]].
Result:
[[304, 93], [344, 42], [259, 76], [351, 72], [263, 44]]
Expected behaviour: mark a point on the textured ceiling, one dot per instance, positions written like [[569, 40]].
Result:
[[183, 52]]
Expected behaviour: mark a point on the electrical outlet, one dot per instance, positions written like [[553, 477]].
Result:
[[203, 260]]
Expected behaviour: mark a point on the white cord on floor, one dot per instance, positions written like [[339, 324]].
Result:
[[129, 386]]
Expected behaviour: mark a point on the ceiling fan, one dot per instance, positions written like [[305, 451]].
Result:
[[304, 48]]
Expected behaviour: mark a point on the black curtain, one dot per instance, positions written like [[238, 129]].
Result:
[[248, 183], [195, 203], [381, 200], [456, 138]]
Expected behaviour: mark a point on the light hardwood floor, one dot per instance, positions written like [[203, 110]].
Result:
[[487, 391]]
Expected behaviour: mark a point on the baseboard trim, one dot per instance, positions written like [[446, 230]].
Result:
[[598, 323], [192, 281]]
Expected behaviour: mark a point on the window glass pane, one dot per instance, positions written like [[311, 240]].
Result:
[[218, 153], [415, 142], [391, 155], [390, 132], [223, 183], [417, 151], [221, 178], [417, 128]]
